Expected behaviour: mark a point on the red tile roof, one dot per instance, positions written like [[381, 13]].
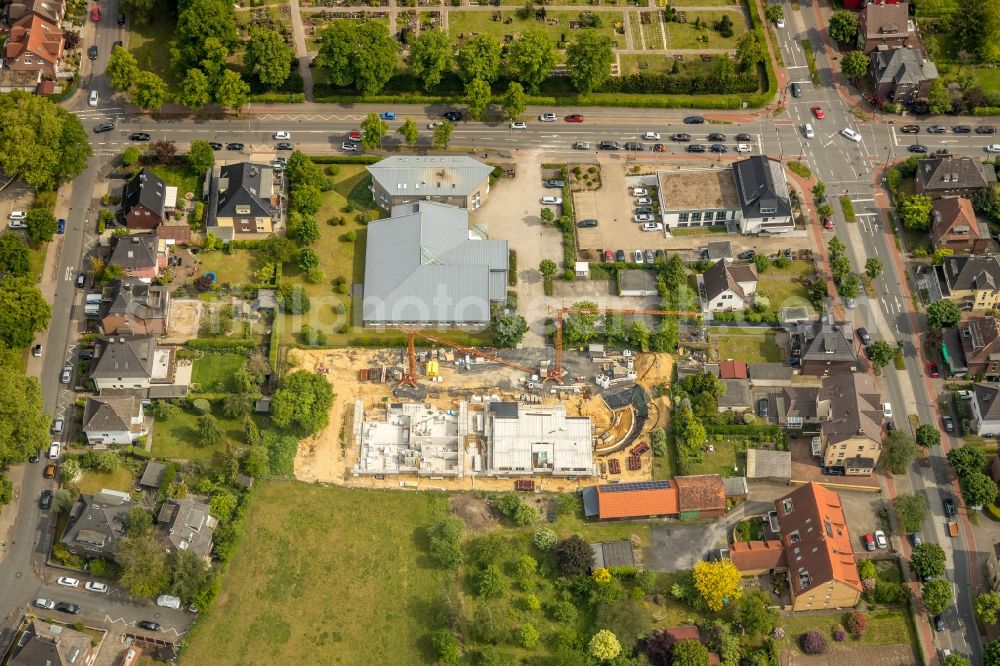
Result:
[[758, 555], [35, 35], [637, 503], [953, 219], [703, 492], [730, 369], [688, 632]]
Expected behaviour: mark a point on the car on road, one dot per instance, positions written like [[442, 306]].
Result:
[[92, 52], [95, 13], [917, 148], [962, 129], [147, 625], [938, 623], [452, 116], [887, 410], [50, 469], [869, 541], [586, 224], [574, 118], [910, 129], [818, 112], [57, 426], [637, 257], [138, 136], [66, 607], [680, 136], [915, 539], [744, 148], [937, 129], [581, 145], [652, 226], [92, 100], [634, 146], [949, 424], [851, 134], [986, 129], [349, 146], [66, 581], [282, 136], [694, 120], [949, 507], [658, 148], [355, 135], [828, 222], [121, 18], [880, 539], [47, 604], [796, 90], [644, 217], [808, 131], [103, 127], [284, 145], [780, 23], [555, 183], [215, 145], [651, 136], [993, 148], [45, 501], [640, 192], [866, 339], [54, 451], [620, 255], [434, 124], [547, 117], [695, 148], [552, 201], [716, 136], [609, 145], [36, 351], [94, 586], [67, 374], [718, 148], [744, 137], [932, 369], [519, 124], [387, 115]]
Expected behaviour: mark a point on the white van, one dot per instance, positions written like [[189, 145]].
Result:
[[54, 451], [167, 601], [807, 129]]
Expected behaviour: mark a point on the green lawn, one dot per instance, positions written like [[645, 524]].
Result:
[[151, 43], [652, 64], [181, 177], [213, 373], [750, 345], [92, 482], [686, 36], [469, 23], [885, 627], [721, 461], [783, 287], [235, 267], [177, 437], [695, 3], [987, 78]]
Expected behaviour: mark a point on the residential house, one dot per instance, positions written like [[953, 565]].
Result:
[[114, 420], [901, 75], [448, 179], [34, 44], [53, 645], [815, 548], [422, 268], [886, 26], [136, 365], [140, 255], [765, 207], [637, 282], [952, 175], [187, 525], [700, 496], [534, 439], [729, 286], [973, 280], [979, 338], [737, 396], [131, 306], [146, 201], [826, 347], [954, 227], [244, 201], [849, 408], [97, 524], [50, 10], [985, 409]]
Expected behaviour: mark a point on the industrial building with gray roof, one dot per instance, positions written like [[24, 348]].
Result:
[[457, 180]]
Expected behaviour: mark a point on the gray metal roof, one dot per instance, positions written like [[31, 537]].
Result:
[[421, 265], [436, 175], [761, 184]]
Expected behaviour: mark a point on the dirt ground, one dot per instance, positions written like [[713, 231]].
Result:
[[182, 324], [330, 455]]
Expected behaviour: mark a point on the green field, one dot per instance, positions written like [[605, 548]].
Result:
[[151, 43], [782, 286], [177, 437], [750, 345], [92, 482], [885, 627], [181, 177], [721, 461], [213, 373], [686, 36], [234, 267], [474, 23]]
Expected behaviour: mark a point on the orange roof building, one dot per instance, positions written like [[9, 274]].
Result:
[[34, 44], [701, 496], [758, 557], [644, 499]]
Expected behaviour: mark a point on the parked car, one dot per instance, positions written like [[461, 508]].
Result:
[[81, 282], [54, 450], [452, 116], [138, 136], [643, 201], [553, 183], [949, 424], [808, 132], [652, 226], [866, 339], [938, 623], [869, 542], [718, 148], [349, 146], [937, 129], [639, 191], [949, 507], [66, 581], [620, 255], [818, 112], [388, 115], [993, 148], [50, 469], [586, 224], [634, 146], [92, 100], [915, 539], [168, 601], [581, 145], [45, 501], [519, 124], [95, 13], [574, 118], [36, 351], [680, 136], [282, 136], [744, 137], [103, 127], [284, 145], [47, 604], [651, 136], [966, 395], [609, 256], [910, 129], [828, 222], [609, 145], [643, 209], [547, 117], [917, 148], [67, 374], [887, 410], [986, 129], [716, 136], [747, 255], [147, 625], [61, 226], [695, 148], [932, 369], [215, 145], [744, 148], [234, 146], [57, 426], [880, 539], [355, 136], [92, 52], [121, 18], [551, 201], [762, 408], [637, 257], [658, 148], [962, 129], [644, 217], [93, 586], [694, 120]]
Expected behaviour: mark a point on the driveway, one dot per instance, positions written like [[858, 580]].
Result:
[[861, 510]]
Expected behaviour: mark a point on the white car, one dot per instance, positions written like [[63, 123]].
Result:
[[18, 215], [880, 539], [547, 117], [639, 192], [47, 604], [92, 586], [993, 148], [743, 148], [652, 226], [54, 453], [643, 201], [433, 124], [780, 23], [519, 124], [644, 217], [552, 201], [808, 131], [282, 136], [65, 581], [16, 224], [92, 100], [651, 136], [637, 257], [887, 410], [851, 134], [349, 146]]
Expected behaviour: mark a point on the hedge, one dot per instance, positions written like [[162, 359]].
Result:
[[657, 83], [278, 98], [345, 159], [754, 432], [223, 345], [569, 229], [140, 452], [986, 111], [512, 268]]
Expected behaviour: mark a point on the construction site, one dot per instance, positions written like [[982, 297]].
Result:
[[443, 416]]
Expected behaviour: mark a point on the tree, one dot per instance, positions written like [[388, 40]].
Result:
[[689, 431], [477, 98], [508, 330], [200, 156], [774, 13], [209, 431], [142, 561], [755, 614], [873, 267], [937, 595], [196, 91], [530, 58], [690, 653], [69, 470], [359, 55], [899, 451], [130, 156], [122, 69], [430, 57], [23, 311], [915, 212], [987, 607], [40, 224], [24, 426], [881, 353], [305, 230], [750, 50], [943, 314], [912, 510], [205, 30], [589, 59], [445, 538], [604, 646], [844, 27], [302, 403], [938, 99], [927, 560], [574, 556], [446, 646], [149, 92], [408, 130], [137, 10], [639, 335], [716, 582], [854, 64], [14, 260], [849, 286], [373, 129], [967, 459], [513, 101], [991, 653], [442, 134], [927, 436], [479, 58], [954, 659], [268, 56], [547, 268], [41, 143], [978, 489], [762, 263], [232, 91], [188, 574], [237, 405]]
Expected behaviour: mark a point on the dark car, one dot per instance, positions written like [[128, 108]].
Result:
[[138, 136], [234, 146], [696, 148], [747, 255], [658, 148], [609, 145], [147, 625], [938, 623], [453, 116], [949, 424], [586, 224], [796, 90], [121, 18], [949, 507], [215, 145], [718, 148], [937, 129], [67, 607], [118, 42], [942, 151], [660, 254], [865, 338], [644, 210], [635, 146], [986, 129], [680, 136], [890, 426], [961, 129], [553, 183], [103, 127], [92, 52], [744, 137], [694, 120], [917, 148], [61, 226], [910, 129], [33, 458], [620, 255], [716, 136], [762, 407], [45, 501], [285, 146], [81, 280]]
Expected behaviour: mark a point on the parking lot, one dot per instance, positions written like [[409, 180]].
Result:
[[612, 206], [861, 510]]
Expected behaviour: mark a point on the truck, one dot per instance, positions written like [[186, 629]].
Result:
[[953, 528]]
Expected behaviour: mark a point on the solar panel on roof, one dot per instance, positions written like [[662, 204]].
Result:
[[635, 485]]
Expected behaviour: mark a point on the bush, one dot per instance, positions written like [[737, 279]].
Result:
[[838, 632], [800, 169], [812, 642], [350, 236], [856, 623], [544, 539]]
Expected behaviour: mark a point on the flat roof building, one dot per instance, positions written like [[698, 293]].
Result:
[[456, 180], [530, 439]]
